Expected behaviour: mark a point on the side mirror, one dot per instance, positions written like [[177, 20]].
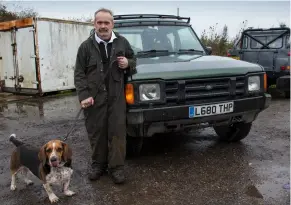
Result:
[[209, 50]]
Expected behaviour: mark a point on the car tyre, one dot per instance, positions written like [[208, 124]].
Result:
[[287, 94], [134, 146], [233, 133]]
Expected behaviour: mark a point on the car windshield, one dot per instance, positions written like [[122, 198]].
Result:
[[162, 39]]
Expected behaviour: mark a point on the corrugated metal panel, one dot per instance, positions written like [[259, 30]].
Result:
[[6, 53], [58, 43]]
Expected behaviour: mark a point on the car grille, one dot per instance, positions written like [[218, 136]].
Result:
[[204, 90]]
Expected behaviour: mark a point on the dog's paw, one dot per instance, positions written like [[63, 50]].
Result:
[[69, 193], [13, 187], [29, 182], [53, 198]]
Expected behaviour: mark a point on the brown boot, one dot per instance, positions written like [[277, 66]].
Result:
[[117, 175], [96, 172]]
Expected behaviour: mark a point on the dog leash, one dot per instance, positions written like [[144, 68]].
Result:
[[72, 127]]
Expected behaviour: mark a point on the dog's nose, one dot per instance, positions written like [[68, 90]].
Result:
[[53, 159]]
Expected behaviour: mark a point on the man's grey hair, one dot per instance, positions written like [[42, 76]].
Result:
[[103, 10]]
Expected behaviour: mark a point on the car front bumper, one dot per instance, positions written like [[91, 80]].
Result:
[[146, 122]]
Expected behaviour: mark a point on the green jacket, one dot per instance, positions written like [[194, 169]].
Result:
[[89, 70]]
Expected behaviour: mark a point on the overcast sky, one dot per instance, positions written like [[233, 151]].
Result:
[[203, 13]]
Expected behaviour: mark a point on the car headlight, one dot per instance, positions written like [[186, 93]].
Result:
[[149, 92], [254, 83]]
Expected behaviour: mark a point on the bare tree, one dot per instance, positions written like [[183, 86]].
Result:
[[220, 42], [282, 25], [82, 19], [19, 12]]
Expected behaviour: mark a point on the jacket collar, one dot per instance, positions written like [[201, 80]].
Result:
[[94, 40], [99, 40]]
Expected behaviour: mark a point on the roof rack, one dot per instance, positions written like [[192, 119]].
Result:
[[138, 16], [267, 29]]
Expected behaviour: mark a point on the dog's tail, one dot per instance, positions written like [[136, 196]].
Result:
[[15, 141]]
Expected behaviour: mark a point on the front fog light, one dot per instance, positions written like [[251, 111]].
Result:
[[254, 83], [149, 92]]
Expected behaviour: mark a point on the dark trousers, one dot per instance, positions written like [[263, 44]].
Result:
[[105, 124]]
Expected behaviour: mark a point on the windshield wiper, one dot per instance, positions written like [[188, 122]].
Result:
[[189, 51], [153, 51]]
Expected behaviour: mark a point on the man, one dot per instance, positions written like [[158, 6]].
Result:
[[102, 63]]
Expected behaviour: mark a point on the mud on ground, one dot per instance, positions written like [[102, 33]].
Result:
[[188, 169]]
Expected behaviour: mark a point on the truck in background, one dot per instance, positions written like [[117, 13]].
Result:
[[269, 48]]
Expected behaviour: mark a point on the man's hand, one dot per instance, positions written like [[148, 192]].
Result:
[[122, 62], [87, 102]]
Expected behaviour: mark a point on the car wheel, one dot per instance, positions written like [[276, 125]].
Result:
[[234, 132], [287, 94], [134, 146]]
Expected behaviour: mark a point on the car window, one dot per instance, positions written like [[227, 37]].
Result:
[[278, 43], [242, 43], [245, 42], [171, 37], [188, 40], [134, 40], [287, 40], [161, 37], [255, 44]]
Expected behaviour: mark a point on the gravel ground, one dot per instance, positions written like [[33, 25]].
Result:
[[178, 169]]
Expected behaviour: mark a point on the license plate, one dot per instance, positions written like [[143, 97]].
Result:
[[235, 57], [208, 110]]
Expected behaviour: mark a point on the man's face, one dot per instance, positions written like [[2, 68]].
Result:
[[104, 25]]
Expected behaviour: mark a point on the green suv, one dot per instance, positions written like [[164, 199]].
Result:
[[179, 84]]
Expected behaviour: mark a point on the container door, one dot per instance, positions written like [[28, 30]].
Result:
[[26, 58], [7, 71]]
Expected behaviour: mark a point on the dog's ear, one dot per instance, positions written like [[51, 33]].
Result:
[[67, 153], [42, 155]]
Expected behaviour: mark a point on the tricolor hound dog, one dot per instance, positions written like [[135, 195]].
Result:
[[51, 164]]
